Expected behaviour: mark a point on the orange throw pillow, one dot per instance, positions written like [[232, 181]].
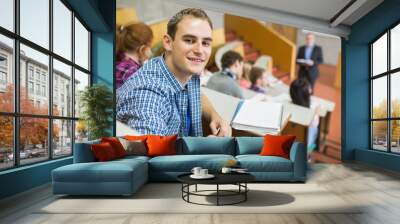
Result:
[[136, 137], [116, 145], [103, 152], [277, 145], [161, 145]]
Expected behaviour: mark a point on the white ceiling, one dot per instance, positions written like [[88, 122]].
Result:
[[314, 15], [320, 9]]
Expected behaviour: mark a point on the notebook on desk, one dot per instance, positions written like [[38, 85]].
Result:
[[258, 116]]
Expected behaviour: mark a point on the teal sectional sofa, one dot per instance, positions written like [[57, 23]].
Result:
[[125, 176]]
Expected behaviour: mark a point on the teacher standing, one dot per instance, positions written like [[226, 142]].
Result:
[[309, 57]]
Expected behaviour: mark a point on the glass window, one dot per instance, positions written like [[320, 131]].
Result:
[[3, 60], [81, 131], [6, 142], [62, 72], [37, 89], [385, 124], [34, 79], [379, 56], [33, 140], [81, 81], [55, 101], [379, 133], [395, 138], [6, 73], [81, 45], [37, 75], [30, 72], [43, 90], [3, 77], [62, 29], [30, 87], [7, 14], [379, 98], [40, 62], [35, 21], [395, 47], [62, 137], [395, 95]]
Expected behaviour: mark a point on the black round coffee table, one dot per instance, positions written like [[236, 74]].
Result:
[[238, 179]]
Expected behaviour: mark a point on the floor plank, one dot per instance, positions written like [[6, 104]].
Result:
[[376, 190]]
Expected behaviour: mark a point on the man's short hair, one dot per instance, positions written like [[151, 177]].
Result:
[[310, 34], [173, 22], [229, 58]]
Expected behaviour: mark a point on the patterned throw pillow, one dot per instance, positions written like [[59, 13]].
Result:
[[134, 147]]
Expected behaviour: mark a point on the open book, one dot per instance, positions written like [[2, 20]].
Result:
[[258, 116], [304, 61]]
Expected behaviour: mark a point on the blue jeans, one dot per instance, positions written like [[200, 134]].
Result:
[[311, 138]]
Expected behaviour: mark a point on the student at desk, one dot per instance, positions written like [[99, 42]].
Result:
[[225, 81], [300, 93], [244, 80], [258, 79], [133, 49]]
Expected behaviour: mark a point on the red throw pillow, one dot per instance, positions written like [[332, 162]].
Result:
[[116, 145], [103, 152], [135, 137], [161, 145], [277, 145]]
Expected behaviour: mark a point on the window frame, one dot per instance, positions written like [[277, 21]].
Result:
[[16, 114], [388, 74]]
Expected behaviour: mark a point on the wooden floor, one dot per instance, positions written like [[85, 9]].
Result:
[[378, 189]]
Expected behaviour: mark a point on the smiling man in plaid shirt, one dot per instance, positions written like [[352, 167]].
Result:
[[163, 98]]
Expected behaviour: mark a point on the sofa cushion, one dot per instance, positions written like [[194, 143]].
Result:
[[185, 163], [134, 147], [135, 137], [112, 171], [161, 145], [257, 163], [116, 145], [129, 159], [249, 145], [207, 145], [103, 152], [277, 145]]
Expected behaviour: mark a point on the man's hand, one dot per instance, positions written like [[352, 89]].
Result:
[[310, 62], [220, 127]]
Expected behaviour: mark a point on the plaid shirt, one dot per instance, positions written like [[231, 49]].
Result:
[[125, 68], [154, 102]]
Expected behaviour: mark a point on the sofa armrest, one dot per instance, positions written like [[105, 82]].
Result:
[[298, 155], [83, 152]]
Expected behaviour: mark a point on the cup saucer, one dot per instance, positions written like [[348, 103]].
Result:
[[208, 176]]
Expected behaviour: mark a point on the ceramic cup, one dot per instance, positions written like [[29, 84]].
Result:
[[226, 170], [203, 172], [196, 171]]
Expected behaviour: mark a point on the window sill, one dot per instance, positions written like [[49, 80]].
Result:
[[26, 167]]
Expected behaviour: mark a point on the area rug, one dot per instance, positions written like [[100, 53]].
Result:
[[167, 198]]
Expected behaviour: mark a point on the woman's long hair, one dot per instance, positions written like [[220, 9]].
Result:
[[130, 37], [300, 92]]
